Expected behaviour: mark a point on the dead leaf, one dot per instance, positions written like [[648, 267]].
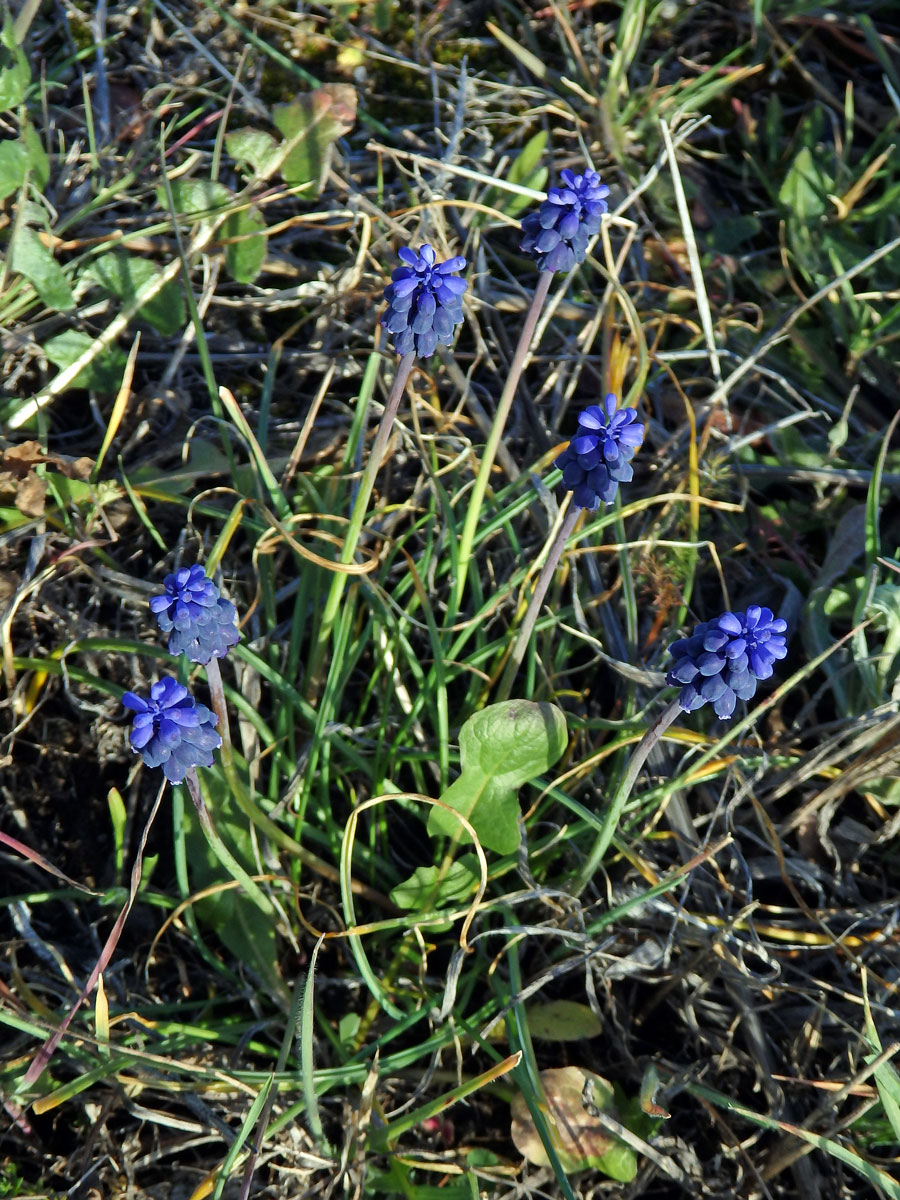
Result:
[[580, 1139], [20, 483], [31, 495]]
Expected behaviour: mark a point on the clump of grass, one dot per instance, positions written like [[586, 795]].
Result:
[[395, 905]]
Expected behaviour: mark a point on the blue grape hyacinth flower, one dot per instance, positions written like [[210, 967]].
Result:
[[598, 458], [725, 658], [171, 730], [198, 621], [424, 301], [556, 235]]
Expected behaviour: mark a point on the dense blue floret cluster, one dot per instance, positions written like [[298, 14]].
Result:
[[725, 658], [556, 236], [598, 458], [424, 301], [171, 730], [198, 621]]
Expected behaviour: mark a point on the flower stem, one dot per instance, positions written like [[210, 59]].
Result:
[[221, 851], [534, 604], [476, 498], [621, 794], [314, 678], [46, 1051], [217, 695]]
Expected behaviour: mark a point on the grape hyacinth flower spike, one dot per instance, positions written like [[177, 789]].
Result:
[[424, 301], [719, 664], [171, 730], [556, 236], [593, 464], [599, 457], [724, 659], [200, 624], [424, 306]]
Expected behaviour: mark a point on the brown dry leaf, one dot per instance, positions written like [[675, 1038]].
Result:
[[580, 1140], [20, 484], [19, 460], [31, 495]]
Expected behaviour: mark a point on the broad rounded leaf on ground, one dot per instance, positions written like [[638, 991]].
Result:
[[125, 275], [256, 149], [13, 165], [310, 125], [15, 73], [245, 249], [102, 374], [502, 747], [433, 887], [580, 1140], [31, 258], [562, 1021]]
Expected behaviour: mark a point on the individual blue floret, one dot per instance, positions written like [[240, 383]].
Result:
[[171, 730], [424, 301], [725, 658], [200, 624], [556, 235], [598, 458]]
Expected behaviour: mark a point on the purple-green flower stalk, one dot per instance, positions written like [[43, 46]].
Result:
[[731, 653], [593, 464], [556, 236], [171, 730], [43, 1056], [213, 629], [424, 307]]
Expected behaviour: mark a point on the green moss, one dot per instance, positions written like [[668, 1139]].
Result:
[[80, 29]]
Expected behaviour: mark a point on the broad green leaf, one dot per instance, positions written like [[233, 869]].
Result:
[[255, 148], [581, 1141], [102, 374], [731, 232], [15, 74], [805, 188], [197, 197], [123, 275], [348, 1026], [13, 165], [427, 889], [311, 125], [245, 255], [31, 258], [501, 747], [77, 491], [562, 1021]]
